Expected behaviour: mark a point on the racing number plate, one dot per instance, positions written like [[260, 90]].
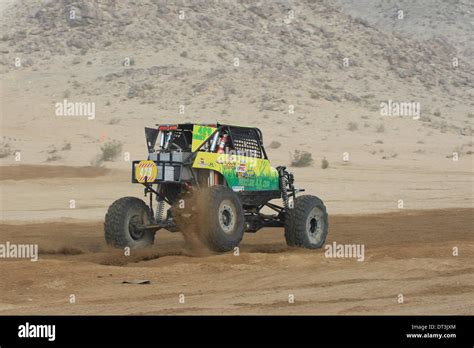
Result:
[[146, 170]]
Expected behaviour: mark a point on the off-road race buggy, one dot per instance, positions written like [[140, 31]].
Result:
[[212, 182]]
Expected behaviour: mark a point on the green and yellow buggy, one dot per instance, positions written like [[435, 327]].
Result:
[[213, 182]]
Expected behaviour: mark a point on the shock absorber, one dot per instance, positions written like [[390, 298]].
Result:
[[160, 208], [284, 187]]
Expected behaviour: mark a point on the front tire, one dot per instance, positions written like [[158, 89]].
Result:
[[306, 225], [121, 220]]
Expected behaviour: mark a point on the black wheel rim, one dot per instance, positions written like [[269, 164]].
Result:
[[315, 225], [133, 229], [227, 217]]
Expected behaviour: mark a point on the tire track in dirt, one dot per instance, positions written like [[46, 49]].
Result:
[[35, 172]]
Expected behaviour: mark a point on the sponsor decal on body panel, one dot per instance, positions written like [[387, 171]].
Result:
[[243, 173], [200, 135]]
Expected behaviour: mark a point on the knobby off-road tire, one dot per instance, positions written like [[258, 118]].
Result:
[[306, 225], [222, 218], [120, 221]]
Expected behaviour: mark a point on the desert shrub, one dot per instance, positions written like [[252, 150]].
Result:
[[274, 145], [380, 128], [53, 158], [324, 163], [5, 151], [114, 120], [301, 159], [361, 21], [352, 126], [110, 150], [52, 150]]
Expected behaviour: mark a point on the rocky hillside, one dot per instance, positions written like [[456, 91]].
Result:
[[260, 60], [449, 21]]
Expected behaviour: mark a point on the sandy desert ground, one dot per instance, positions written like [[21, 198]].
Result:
[[286, 63], [406, 253]]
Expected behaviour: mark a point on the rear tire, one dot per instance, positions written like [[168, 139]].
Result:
[[223, 220], [120, 221], [306, 225]]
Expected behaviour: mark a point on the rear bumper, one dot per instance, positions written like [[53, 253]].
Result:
[[173, 167]]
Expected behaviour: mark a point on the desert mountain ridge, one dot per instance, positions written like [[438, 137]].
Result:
[[282, 65]]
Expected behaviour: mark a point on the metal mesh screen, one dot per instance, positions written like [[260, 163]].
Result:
[[246, 140]]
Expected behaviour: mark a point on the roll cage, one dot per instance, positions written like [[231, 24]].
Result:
[[241, 139]]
